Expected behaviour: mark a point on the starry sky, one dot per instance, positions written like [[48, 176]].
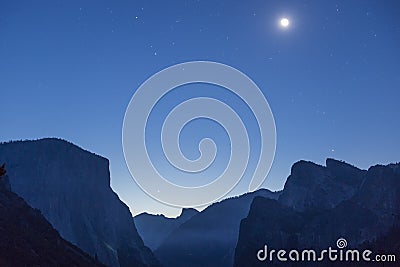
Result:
[[68, 69]]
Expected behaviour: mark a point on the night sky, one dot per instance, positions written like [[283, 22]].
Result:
[[68, 69]]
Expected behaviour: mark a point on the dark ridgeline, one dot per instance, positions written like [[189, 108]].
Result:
[[154, 229], [311, 187], [71, 188], [209, 238], [308, 216], [28, 239]]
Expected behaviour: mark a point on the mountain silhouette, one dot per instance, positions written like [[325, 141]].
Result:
[[314, 187], [72, 217], [28, 239], [154, 229], [209, 237], [368, 219], [71, 188]]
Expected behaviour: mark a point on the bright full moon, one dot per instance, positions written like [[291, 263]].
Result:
[[284, 22]]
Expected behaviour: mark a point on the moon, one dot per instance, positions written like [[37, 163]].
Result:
[[284, 22]]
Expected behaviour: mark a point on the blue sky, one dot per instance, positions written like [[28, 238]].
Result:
[[68, 69]]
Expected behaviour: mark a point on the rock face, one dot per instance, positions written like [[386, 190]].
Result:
[[314, 187], [71, 187], [209, 238], [28, 239], [269, 222], [154, 229], [369, 218]]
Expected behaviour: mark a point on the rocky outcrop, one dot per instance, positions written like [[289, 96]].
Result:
[[209, 238], [154, 229], [366, 219], [71, 188], [28, 239], [314, 187]]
